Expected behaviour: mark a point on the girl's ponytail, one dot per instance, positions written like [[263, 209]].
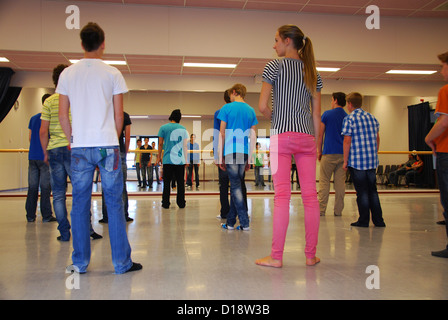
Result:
[[304, 47]]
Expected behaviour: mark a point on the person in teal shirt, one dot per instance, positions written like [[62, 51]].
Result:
[[173, 139], [238, 121]]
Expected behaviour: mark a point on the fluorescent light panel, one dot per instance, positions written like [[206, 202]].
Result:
[[111, 62], [209, 65], [3, 59], [411, 72], [327, 69], [190, 116]]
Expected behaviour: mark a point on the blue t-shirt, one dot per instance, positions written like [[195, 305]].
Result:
[[35, 150], [173, 135], [334, 140], [239, 117]]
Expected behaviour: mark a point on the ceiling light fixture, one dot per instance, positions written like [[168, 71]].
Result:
[[327, 69], [3, 59], [411, 72], [190, 116], [111, 62], [209, 65]]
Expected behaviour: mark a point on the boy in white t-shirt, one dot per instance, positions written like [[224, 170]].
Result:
[[93, 92]]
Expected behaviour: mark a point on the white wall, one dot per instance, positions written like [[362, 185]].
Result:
[[391, 112]]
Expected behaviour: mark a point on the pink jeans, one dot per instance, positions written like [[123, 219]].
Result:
[[303, 147]]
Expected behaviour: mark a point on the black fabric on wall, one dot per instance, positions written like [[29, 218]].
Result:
[[419, 125], [8, 95]]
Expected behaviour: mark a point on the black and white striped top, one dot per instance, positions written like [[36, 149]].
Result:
[[291, 100]]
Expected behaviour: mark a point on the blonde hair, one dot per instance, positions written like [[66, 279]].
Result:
[[304, 46]]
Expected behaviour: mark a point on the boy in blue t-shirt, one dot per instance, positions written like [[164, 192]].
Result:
[[173, 139], [38, 175], [238, 121], [332, 156]]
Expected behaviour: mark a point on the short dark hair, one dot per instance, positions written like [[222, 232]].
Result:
[[175, 116], [340, 98], [92, 36], [443, 57], [226, 96], [45, 96], [57, 72]]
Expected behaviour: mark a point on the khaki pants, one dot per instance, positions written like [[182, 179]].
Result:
[[329, 164]]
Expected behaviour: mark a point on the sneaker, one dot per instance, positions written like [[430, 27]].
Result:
[[226, 226], [51, 219], [95, 236], [243, 228], [442, 253]]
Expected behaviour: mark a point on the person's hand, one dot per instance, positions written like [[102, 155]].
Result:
[[344, 166]]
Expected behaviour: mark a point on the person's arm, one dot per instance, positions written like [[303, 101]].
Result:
[[252, 150], [439, 127], [64, 117], [263, 102], [127, 138], [118, 113], [222, 136], [43, 134], [320, 140], [315, 107], [159, 151], [185, 151], [346, 147]]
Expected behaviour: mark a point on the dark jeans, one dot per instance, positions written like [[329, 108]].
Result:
[[173, 172], [236, 171], [59, 159], [442, 177], [146, 173], [38, 176], [190, 172], [137, 170], [394, 175], [367, 198], [224, 185]]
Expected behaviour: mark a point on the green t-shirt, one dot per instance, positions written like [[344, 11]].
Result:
[[50, 112]]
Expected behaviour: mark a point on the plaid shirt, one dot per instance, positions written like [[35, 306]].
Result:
[[363, 128]]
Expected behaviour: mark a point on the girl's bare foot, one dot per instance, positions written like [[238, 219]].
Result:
[[312, 261], [269, 262]]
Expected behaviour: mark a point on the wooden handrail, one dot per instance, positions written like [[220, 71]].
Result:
[[210, 151]]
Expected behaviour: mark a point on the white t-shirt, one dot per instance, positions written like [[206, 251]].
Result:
[[90, 85]]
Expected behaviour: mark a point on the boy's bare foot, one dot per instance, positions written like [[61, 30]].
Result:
[[269, 262], [312, 261]]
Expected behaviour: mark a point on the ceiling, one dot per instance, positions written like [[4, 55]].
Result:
[[250, 67]]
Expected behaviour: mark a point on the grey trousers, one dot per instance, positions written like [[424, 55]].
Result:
[[331, 164]]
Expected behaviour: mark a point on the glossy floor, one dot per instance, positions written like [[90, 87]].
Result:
[[185, 254]]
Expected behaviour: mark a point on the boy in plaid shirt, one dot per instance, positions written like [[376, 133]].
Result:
[[361, 142]]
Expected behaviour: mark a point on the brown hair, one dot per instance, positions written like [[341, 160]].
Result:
[[355, 99], [443, 57], [306, 53], [239, 88], [57, 72]]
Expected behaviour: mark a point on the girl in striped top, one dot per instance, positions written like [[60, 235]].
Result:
[[295, 120]]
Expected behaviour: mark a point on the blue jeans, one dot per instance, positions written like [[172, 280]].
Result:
[[367, 198], [84, 162], [236, 171], [442, 178], [38, 176], [59, 159]]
